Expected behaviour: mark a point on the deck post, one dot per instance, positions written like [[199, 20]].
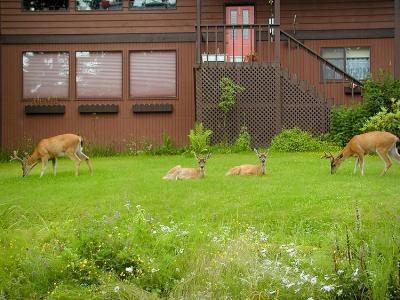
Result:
[[397, 39], [198, 31], [277, 30]]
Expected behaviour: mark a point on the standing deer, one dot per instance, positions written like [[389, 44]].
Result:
[[178, 172], [51, 148], [381, 142], [247, 170]]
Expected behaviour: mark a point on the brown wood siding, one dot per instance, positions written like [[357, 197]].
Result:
[[310, 15], [115, 129], [382, 57]]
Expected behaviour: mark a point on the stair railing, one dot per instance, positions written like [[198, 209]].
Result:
[[303, 63]]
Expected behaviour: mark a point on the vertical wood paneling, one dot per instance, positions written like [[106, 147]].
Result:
[[310, 15], [117, 129]]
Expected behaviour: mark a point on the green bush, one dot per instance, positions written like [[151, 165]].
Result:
[[298, 140], [199, 139], [377, 92], [385, 120], [243, 141], [346, 122]]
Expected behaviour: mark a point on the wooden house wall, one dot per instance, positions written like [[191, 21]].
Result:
[[117, 129], [310, 15]]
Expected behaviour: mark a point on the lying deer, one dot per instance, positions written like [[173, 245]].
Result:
[[51, 148], [247, 170], [381, 142], [178, 172]]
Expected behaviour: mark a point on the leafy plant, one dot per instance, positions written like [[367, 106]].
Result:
[[200, 139], [229, 92], [385, 120], [243, 142], [298, 140]]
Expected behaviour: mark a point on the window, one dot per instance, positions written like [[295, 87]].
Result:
[[149, 4], [42, 5], [99, 4], [353, 60], [98, 74], [153, 74], [45, 74]]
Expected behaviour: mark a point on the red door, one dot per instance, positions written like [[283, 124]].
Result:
[[239, 42]]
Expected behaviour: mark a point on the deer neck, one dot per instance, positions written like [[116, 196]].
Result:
[[33, 158], [201, 173], [263, 168]]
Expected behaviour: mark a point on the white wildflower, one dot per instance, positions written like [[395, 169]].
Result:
[[116, 289], [181, 250], [310, 298], [291, 251], [355, 273], [154, 270], [272, 292], [263, 252], [340, 272], [340, 292], [129, 269], [138, 206], [128, 204], [313, 280], [327, 288]]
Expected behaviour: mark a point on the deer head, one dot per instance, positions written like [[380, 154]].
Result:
[[261, 156], [26, 167], [201, 160], [335, 161]]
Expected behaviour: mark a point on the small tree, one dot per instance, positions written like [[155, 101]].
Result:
[[229, 91]]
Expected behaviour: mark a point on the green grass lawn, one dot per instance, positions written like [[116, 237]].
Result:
[[239, 236]]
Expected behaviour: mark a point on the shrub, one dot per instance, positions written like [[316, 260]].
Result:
[[199, 139], [243, 141], [346, 122], [377, 92], [297, 140], [385, 120]]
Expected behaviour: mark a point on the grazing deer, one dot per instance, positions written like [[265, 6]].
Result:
[[178, 172], [51, 148], [381, 142], [247, 170]]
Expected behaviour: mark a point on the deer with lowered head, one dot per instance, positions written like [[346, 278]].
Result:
[[248, 170], [178, 172], [51, 148], [381, 142]]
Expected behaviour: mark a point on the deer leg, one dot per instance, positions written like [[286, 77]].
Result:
[[44, 165], [386, 159], [356, 166], [77, 161], [54, 162], [87, 159], [361, 162]]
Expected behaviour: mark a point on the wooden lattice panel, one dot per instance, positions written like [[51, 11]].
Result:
[[256, 107], [271, 101], [303, 108]]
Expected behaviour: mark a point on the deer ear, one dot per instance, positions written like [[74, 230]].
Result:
[[256, 151]]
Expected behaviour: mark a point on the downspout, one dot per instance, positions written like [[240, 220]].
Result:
[[198, 31], [397, 39]]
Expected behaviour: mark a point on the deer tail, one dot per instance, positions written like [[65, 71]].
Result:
[[394, 152]]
